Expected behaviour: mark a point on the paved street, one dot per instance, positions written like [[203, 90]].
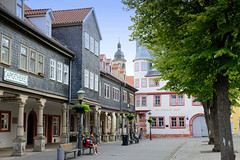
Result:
[[157, 149]]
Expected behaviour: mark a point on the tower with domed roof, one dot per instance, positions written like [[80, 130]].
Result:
[[119, 63]]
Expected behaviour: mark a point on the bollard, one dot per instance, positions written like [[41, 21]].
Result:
[[60, 153]]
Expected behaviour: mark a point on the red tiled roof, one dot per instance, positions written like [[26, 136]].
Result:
[[108, 61], [130, 80], [115, 66], [26, 7], [70, 16], [35, 12]]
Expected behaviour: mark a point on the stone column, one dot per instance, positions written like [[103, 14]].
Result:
[[40, 139], [64, 137], [123, 124], [19, 143], [105, 124], [112, 136], [95, 127], [117, 125], [99, 126], [86, 134]]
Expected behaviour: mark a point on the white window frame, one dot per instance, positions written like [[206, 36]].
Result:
[[56, 122], [19, 6], [6, 121], [96, 82], [39, 62], [65, 74], [8, 48], [96, 48], [91, 47], [131, 99], [86, 40], [116, 94], [124, 96], [59, 71], [106, 91], [25, 56], [91, 80], [161, 122], [86, 78], [180, 122], [138, 101], [52, 69], [32, 59]]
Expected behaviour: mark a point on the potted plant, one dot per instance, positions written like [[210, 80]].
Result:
[[130, 116], [150, 120], [81, 108]]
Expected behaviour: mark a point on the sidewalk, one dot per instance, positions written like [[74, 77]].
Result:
[[157, 149]]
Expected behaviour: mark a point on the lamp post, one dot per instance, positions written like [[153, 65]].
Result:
[[149, 113], [80, 94]]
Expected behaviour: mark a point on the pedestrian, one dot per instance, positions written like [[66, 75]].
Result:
[[89, 142]]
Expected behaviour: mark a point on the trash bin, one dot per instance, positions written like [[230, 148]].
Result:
[[125, 139]]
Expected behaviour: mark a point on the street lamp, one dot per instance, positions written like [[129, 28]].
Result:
[[80, 94], [149, 113]]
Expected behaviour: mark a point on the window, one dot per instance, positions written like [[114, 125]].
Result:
[[144, 65], [161, 122], [65, 74], [152, 83], [195, 103], [96, 82], [5, 124], [177, 122], [125, 96], [86, 40], [176, 100], [173, 122], [157, 101], [115, 94], [59, 71], [144, 82], [144, 100], [56, 127], [86, 78], [91, 80], [20, 8], [137, 83], [180, 99], [32, 64], [154, 124], [52, 69], [107, 91], [23, 58], [181, 122], [138, 101], [5, 50], [91, 44], [96, 48], [131, 99], [136, 66], [40, 63]]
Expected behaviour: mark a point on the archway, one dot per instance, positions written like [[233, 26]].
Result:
[[191, 121], [31, 127]]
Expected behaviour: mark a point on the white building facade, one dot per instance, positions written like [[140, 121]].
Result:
[[173, 115]]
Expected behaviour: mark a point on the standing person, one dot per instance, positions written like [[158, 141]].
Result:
[[89, 142], [141, 134]]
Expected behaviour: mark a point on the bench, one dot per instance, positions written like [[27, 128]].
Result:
[[85, 148], [68, 148]]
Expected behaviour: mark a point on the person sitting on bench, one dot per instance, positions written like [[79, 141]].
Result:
[[90, 143]]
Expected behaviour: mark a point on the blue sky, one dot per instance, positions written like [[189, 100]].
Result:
[[112, 19]]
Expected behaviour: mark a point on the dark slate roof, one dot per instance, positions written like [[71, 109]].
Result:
[[119, 54], [153, 73]]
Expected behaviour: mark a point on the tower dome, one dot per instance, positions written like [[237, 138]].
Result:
[[119, 54], [141, 52]]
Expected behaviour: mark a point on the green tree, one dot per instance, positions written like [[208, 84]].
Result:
[[194, 38]]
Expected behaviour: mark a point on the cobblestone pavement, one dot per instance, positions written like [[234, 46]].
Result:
[[157, 149]]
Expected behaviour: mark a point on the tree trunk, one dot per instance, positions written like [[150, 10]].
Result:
[[224, 112], [214, 117], [206, 106]]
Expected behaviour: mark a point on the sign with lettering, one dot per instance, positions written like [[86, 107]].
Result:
[[15, 77]]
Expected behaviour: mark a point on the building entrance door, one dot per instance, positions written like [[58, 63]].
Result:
[[200, 127], [32, 127]]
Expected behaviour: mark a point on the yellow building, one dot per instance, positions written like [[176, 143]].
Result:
[[235, 120]]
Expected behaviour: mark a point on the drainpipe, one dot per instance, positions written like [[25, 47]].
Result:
[[69, 96]]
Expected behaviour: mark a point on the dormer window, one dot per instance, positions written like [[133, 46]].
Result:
[[20, 8]]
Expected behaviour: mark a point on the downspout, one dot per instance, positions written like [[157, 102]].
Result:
[[69, 96]]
